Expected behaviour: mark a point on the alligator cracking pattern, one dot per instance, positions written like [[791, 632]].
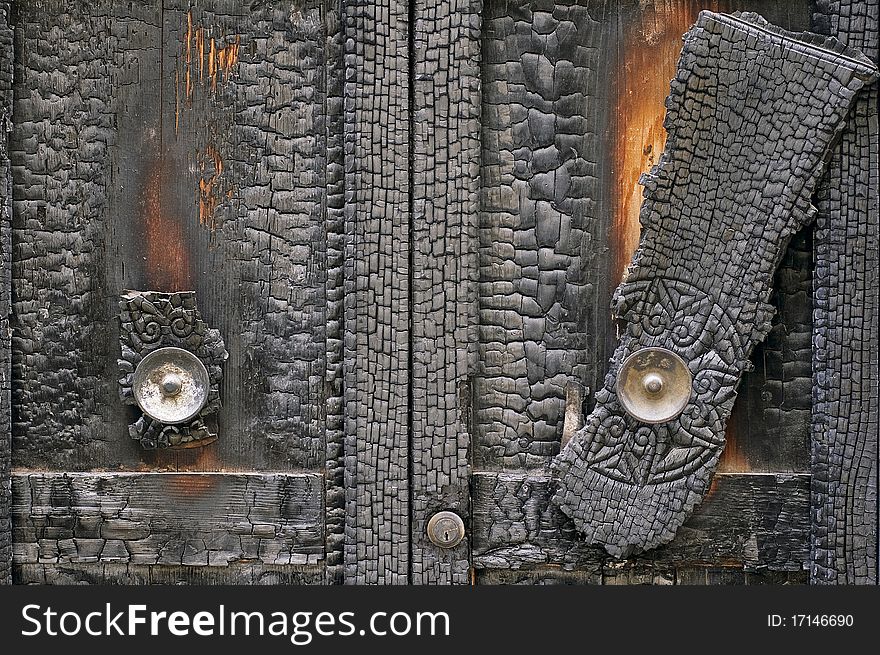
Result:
[[846, 390], [143, 518], [539, 185]]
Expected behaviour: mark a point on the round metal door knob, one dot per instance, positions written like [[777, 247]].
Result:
[[446, 529], [171, 385], [654, 385]]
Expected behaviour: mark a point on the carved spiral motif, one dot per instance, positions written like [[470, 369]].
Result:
[[682, 318], [152, 320]]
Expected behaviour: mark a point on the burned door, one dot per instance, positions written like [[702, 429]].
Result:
[[572, 106], [174, 174], [395, 230]]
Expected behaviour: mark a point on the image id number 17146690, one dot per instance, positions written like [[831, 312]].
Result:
[[810, 621]]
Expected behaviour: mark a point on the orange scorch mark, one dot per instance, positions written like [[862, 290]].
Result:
[[167, 265], [190, 488], [209, 191], [649, 50], [202, 54], [733, 458]]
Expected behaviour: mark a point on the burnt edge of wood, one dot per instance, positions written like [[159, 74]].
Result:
[[334, 431], [747, 97], [6, 72], [201, 519], [116, 573], [846, 402], [640, 574], [752, 521]]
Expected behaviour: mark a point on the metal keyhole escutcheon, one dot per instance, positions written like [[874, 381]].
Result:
[[446, 529]]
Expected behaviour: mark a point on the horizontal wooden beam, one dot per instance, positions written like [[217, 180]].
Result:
[[198, 519], [157, 574], [753, 521]]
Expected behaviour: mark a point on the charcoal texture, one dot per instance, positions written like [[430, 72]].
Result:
[[191, 519], [6, 73], [377, 292], [846, 383], [750, 118]]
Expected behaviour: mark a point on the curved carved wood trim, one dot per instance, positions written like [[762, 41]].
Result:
[[751, 115]]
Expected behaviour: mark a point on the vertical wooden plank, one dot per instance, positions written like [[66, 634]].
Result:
[[846, 404], [75, 202], [6, 71], [334, 439], [446, 156], [243, 125], [377, 290], [542, 224]]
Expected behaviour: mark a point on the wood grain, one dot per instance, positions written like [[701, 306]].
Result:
[[201, 519], [113, 573]]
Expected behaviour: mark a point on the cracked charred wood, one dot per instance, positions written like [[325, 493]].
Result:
[[143, 518], [750, 522], [377, 287], [846, 386], [6, 73], [752, 113], [446, 156]]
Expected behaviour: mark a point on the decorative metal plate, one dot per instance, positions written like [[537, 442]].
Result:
[[152, 321]]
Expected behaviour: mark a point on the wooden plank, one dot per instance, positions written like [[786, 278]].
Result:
[[200, 519], [377, 291], [543, 224], [752, 521], [334, 435], [446, 173], [641, 574], [64, 343], [709, 575], [846, 401], [243, 128], [548, 576], [114, 573], [6, 77], [754, 109]]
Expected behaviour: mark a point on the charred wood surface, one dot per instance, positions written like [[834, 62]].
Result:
[[752, 522], [6, 76], [201, 519], [750, 118], [846, 386]]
